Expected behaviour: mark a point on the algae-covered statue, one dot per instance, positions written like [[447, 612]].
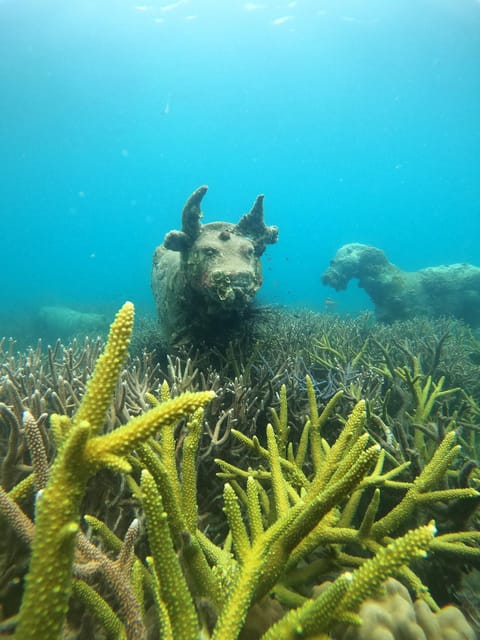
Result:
[[446, 290], [204, 277], [64, 322]]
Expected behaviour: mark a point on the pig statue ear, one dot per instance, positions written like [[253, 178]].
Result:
[[253, 226], [176, 241], [191, 226]]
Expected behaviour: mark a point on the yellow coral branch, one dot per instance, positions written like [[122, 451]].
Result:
[[100, 388], [122, 440]]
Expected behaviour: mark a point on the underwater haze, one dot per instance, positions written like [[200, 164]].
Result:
[[358, 120]]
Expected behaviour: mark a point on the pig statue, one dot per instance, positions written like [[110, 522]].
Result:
[[205, 276]]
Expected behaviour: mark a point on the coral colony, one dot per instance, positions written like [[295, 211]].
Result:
[[344, 457]]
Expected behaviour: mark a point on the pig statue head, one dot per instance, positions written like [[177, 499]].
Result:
[[206, 273]]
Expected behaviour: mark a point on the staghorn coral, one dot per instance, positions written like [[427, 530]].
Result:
[[350, 527], [279, 536], [341, 599], [279, 468], [81, 453]]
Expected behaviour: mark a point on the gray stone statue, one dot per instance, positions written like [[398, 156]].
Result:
[[204, 277], [446, 290]]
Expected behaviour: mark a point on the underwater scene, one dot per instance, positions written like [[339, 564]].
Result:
[[240, 363]]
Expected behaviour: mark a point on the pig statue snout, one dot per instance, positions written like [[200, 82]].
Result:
[[232, 289], [223, 266]]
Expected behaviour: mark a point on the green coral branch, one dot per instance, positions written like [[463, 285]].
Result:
[[312, 527], [264, 559], [317, 422], [343, 597], [370, 575], [49, 580], [174, 591], [189, 471], [255, 519], [431, 475], [279, 486], [240, 539], [107, 449], [164, 623], [48, 583], [280, 421], [340, 452], [114, 628], [426, 393], [290, 467], [465, 543], [23, 490], [100, 389], [163, 480]]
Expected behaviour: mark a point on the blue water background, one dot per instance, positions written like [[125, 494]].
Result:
[[358, 120]]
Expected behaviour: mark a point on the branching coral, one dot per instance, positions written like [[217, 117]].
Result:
[[81, 453], [347, 527], [302, 505]]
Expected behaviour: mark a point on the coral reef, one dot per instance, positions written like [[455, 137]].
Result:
[[206, 276], [446, 290], [318, 484], [82, 451]]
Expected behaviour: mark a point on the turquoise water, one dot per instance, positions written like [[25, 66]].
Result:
[[360, 121]]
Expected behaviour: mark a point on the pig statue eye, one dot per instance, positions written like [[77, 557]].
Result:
[[210, 252], [249, 252]]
